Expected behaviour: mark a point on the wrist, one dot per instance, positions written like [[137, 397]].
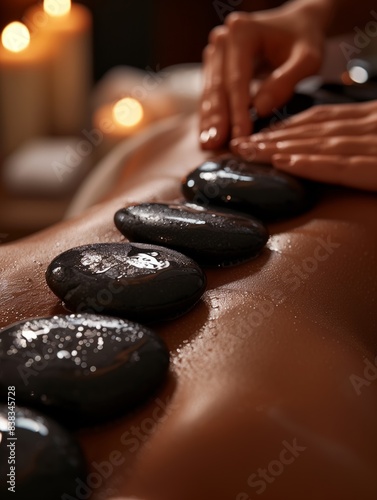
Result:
[[318, 12]]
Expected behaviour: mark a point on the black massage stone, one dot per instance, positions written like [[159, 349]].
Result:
[[258, 190], [211, 237], [81, 369], [142, 282], [298, 103], [47, 461]]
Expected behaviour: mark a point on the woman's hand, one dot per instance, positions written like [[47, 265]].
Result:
[[281, 46], [332, 143]]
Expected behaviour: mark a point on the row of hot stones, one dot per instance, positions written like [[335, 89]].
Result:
[[84, 368]]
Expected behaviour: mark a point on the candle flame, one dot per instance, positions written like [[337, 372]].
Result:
[[57, 8], [128, 112], [15, 37]]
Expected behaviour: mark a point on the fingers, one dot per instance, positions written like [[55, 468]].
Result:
[[343, 145], [237, 50], [278, 88], [214, 112], [341, 151], [239, 70], [327, 113], [356, 171], [227, 75], [347, 127]]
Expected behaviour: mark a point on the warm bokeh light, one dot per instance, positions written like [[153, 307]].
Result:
[[57, 8], [128, 112], [15, 37]]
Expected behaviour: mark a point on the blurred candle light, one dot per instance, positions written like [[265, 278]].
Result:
[[15, 37], [57, 8], [128, 112], [24, 87], [119, 120], [67, 28]]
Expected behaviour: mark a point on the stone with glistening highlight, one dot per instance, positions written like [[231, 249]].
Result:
[[146, 283], [211, 237], [81, 369], [255, 189], [47, 460]]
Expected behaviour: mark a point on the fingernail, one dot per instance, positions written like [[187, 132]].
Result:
[[235, 143], [282, 160], [240, 145], [262, 146], [208, 135], [206, 105], [245, 149], [260, 137]]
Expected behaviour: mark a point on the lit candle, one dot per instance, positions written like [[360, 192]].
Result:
[[24, 87], [116, 121], [128, 113], [67, 28]]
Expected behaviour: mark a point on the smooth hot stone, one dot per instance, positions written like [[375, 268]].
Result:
[[133, 280], [81, 369], [297, 104], [48, 461], [212, 237], [335, 92], [259, 190]]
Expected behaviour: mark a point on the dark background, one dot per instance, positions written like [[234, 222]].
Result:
[[147, 33]]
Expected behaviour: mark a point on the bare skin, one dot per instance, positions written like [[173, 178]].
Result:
[[265, 363], [256, 60], [265, 43], [333, 144]]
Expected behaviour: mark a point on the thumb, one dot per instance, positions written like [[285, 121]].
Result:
[[279, 86]]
